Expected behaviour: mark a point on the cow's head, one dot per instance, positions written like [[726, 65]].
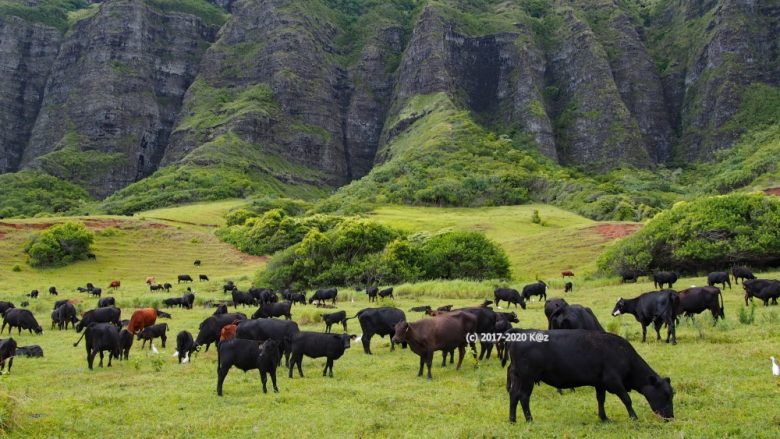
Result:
[[522, 301], [345, 338], [619, 307], [512, 316], [659, 394], [401, 329], [38, 329]]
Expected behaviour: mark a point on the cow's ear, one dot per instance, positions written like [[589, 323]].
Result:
[[352, 336], [653, 380], [668, 380]]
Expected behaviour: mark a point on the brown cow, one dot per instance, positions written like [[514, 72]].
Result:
[[567, 273], [141, 319], [151, 280], [443, 332], [114, 284], [228, 332]]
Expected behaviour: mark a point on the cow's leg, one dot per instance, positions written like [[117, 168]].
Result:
[[366, 340], [644, 332], [273, 380], [429, 362], [110, 356], [101, 359], [344, 323], [657, 325], [299, 360], [329, 365], [325, 370], [443, 358], [422, 363], [264, 380], [524, 394], [221, 374], [601, 394], [90, 358], [461, 353], [616, 387], [163, 340]]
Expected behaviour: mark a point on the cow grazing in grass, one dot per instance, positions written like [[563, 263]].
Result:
[[106, 301], [185, 346], [203, 278], [535, 289], [209, 329], [149, 333], [378, 321], [20, 319], [661, 278], [150, 280], [53, 291], [743, 273], [372, 292], [114, 284], [183, 278], [719, 277], [509, 295], [318, 345], [764, 289], [323, 295]]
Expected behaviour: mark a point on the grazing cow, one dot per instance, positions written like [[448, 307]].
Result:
[[323, 295], [183, 278], [65, 314], [185, 346], [82, 289], [656, 307], [425, 309], [101, 337], [387, 292], [172, 301], [125, 343], [100, 315], [221, 309], [764, 289], [150, 280], [167, 286], [32, 351], [106, 301], [664, 277], [196, 263], [229, 286], [248, 355], [445, 308], [142, 318], [378, 321], [151, 332], [114, 284], [568, 287], [719, 277], [21, 319], [629, 275], [297, 298], [743, 273], [188, 300], [372, 292], [33, 294], [267, 310], [443, 332], [280, 330], [574, 317], [6, 306], [53, 291], [163, 314], [697, 299], [203, 278], [228, 332], [91, 256], [209, 329], [335, 318], [536, 289], [574, 358], [156, 287], [97, 292], [510, 295], [567, 273], [241, 298], [317, 345], [7, 352]]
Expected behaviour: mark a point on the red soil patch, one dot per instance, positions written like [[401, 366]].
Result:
[[615, 231], [91, 223], [773, 191], [251, 258]]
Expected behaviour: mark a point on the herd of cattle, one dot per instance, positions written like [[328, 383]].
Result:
[[573, 351]]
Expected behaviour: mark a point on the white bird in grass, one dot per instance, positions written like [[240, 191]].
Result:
[[775, 367], [154, 349]]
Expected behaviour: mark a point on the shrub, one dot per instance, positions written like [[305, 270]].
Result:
[[535, 218], [59, 245], [463, 255]]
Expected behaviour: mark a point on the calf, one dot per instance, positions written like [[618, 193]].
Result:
[[163, 314], [567, 273], [536, 289], [372, 293], [21, 319], [324, 295], [660, 278], [196, 263], [317, 345], [7, 352], [156, 287], [167, 287], [568, 287], [718, 277], [101, 337], [151, 332], [574, 358], [114, 284], [33, 294], [387, 292], [764, 289], [443, 332], [32, 351], [65, 314], [509, 295], [53, 291], [742, 273], [656, 307], [185, 346], [335, 318], [125, 343], [97, 292], [106, 301], [247, 355], [268, 310], [203, 278], [697, 299]]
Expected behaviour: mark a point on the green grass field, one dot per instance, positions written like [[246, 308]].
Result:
[[721, 374]]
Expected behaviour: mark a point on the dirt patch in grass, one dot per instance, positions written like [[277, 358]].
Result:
[[773, 191], [615, 231], [252, 259]]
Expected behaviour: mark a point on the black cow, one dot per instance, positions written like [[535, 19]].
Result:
[[743, 273], [196, 263], [510, 295], [574, 317], [125, 343], [91, 256], [157, 287], [425, 309], [101, 337], [568, 287], [664, 277], [172, 301], [7, 352], [697, 299], [188, 300], [247, 355], [151, 332], [764, 289], [106, 301], [335, 318], [21, 319], [97, 292], [387, 292], [536, 289], [574, 358], [372, 292], [317, 345], [323, 295], [229, 286], [53, 291], [719, 277], [208, 331], [297, 298], [167, 287], [221, 309], [486, 322], [32, 351], [185, 346], [268, 310], [8, 305], [58, 303], [203, 278], [100, 315], [64, 315], [629, 275], [241, 298], [444, 308], [260, 330], [378, 321], [656, 307], [32, 294], [183, 278], [163, 314]]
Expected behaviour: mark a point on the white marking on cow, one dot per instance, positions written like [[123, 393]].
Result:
[[154, 349], [357, 339], [175, 354], [616, 313], [775, 367], [186, 358]]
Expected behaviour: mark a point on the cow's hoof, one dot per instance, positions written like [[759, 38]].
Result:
[[276, 390]]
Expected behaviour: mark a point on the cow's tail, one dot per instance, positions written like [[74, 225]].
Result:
[[674, 303], [356, 315], [722, 309], [79, 340]]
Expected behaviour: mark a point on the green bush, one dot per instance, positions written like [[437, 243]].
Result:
[[463, 255], [29, 193], [58, 245], [706, 234]]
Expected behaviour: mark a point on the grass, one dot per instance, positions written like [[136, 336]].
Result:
[[211, 214], [721, 374]]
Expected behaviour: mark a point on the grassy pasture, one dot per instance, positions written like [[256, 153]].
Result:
[[721, 374]]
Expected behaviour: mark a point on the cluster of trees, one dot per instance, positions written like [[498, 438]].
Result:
[[59, 245]]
